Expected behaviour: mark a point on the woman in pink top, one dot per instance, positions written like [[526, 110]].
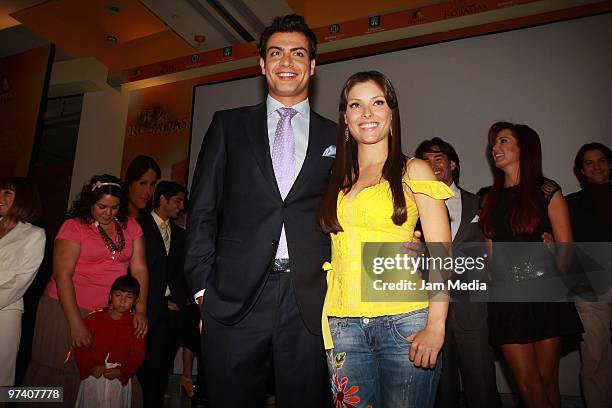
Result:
[[95, 245]]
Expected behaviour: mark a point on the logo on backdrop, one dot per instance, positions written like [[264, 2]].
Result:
[[156, 120]]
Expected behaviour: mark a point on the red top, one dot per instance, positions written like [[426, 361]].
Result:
[[113, 337], [95, 270]]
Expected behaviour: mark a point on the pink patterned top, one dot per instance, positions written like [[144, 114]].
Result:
[[95, 270]]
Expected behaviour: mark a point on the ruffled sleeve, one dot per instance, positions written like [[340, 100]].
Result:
[[434, 189]]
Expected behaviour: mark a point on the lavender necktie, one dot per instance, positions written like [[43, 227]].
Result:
[[283, 162]]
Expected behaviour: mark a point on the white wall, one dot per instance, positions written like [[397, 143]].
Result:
[[100, 142], [557, 78]]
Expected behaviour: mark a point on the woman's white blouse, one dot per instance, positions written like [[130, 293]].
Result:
[[21, 252]]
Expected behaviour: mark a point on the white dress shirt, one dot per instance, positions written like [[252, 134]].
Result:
[[161, 225], [300, 123], [454, 209]]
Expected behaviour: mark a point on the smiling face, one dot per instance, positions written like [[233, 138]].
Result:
[[287, 67], [595, 167], [441, 165], [105, 209], [141, 190], [7, 198], [368, 115], [506, 151]]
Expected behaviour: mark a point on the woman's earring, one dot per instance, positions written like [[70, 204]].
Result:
[[346, 134], [391, 131]]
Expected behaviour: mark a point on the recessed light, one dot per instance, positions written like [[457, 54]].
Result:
[[114, 8], [112, 39]]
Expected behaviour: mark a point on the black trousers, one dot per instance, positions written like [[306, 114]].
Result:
[[271, 339], [467, 351], [162, 344]]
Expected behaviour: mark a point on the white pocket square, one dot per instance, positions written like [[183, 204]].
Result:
[[330, 151], [475, 219]]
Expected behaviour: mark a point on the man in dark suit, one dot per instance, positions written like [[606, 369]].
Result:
[[254, 252], [466, 347], [165, 244]]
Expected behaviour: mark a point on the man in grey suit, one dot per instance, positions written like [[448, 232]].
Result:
[[466, 348]]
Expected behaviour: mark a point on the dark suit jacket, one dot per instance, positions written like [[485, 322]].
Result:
[[164, 269], [469, 316], [236, 215], [586, 225], [468, 231]]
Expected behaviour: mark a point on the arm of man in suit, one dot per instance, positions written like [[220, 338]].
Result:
[[206, 196]]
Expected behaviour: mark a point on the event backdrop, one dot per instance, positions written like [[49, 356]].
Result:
[[158, 125], [23, 79]]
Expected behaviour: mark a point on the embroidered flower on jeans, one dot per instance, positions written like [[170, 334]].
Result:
[[344, 398], [339, 360]]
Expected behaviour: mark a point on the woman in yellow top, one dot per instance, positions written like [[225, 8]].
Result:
[[380, 354]]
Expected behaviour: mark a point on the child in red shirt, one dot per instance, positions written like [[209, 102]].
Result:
[[115, 351]]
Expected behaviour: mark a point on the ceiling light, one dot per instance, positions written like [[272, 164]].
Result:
[[112, 39], [113, 8]]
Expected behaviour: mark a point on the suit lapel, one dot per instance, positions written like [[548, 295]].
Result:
[[256, 128], [464, 218], [157, 237], [313, 154]]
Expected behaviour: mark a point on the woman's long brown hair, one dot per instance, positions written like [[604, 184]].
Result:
[[523, 214], [345, 171]]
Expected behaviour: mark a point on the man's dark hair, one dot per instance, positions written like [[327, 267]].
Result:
[[167, 189], [436, 145], [126, 283], [288, 24]]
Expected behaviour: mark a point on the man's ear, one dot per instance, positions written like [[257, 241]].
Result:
[[313, 64], [162, 200], [453, 165], [262, 64]]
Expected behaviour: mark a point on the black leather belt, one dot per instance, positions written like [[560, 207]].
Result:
[[281, 265]]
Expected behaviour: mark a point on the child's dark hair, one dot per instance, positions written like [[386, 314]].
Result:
[[126, 283]]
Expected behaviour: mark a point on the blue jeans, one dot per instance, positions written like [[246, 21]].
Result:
[[369, 365]]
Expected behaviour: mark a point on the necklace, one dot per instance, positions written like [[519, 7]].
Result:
[[113, 247]]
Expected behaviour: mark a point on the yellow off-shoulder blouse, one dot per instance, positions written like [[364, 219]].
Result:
[[367, 218]]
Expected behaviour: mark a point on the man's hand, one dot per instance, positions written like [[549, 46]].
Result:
[[549, 241], [173, 306], [97, 371], [199, 301], [414, 248], [112, 373], [548, 238]]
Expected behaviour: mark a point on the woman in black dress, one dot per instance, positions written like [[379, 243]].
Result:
[[521, 206]]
